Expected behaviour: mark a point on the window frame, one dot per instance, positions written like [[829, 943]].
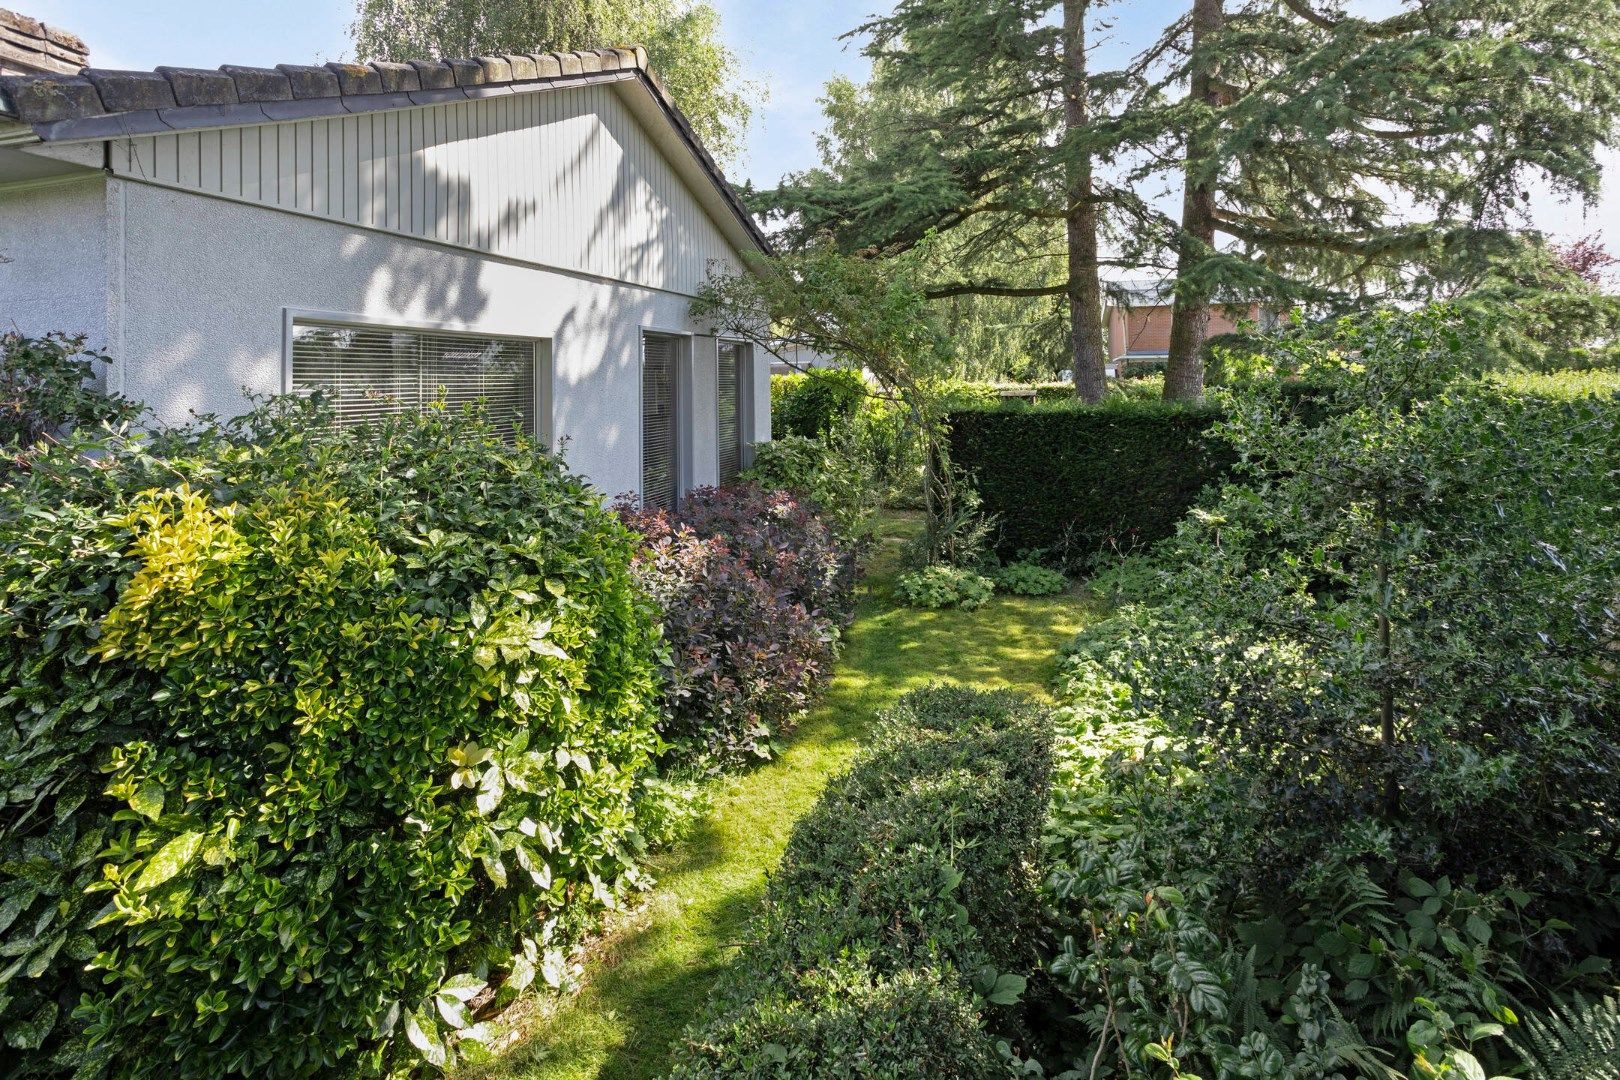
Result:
[[545, 351], [681, 390], [744, 387]]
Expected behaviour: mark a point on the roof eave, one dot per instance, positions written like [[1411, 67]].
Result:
[[150, 103]]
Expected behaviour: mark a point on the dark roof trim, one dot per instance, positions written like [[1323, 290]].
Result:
[[104, 104]]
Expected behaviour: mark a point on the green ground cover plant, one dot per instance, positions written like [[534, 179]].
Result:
[[944, 586], [1028, 578]]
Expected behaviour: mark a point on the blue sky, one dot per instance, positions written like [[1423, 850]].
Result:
[[790, 46]]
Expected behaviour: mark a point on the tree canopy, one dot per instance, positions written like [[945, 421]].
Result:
[[1350, 158], [682, 40]]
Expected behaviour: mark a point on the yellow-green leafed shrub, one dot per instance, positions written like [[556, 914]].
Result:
[[1562, 385], [308, 740]]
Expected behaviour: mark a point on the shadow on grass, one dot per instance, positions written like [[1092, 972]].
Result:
[[650, 974]]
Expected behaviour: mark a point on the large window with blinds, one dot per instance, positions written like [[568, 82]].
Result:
[[728, 400], [370, 372], [659, 475]]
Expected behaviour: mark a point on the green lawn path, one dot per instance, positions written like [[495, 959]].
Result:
[[649, 975]]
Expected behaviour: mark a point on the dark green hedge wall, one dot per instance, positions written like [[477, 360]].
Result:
[[1074, 481]]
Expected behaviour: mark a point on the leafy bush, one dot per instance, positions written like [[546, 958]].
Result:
[[1030, 579], [944, 587], [754, 589], [784, 540], [311, 739], [1076, 480], [47, 388], [1579, 1038], [1435, 558], [814, 402], [1164, 953], [830, 473], [904, 910], [1347, 785]]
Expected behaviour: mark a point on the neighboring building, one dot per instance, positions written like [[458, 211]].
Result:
[[526, 229], [29, 47], [1137, 315]]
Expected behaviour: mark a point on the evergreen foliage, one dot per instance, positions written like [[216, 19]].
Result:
[[975, 128], [682, 39], [1080, 480], [904, 912], [313, 741], [1352, 158], [1578, 1038]]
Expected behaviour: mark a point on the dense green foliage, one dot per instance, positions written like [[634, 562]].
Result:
[[1343, 154], [310, 738], [1075, 481], [832, 473], [904, 912], [945, 586], [1340, 799], [1030, 579], [754, 588], [48, 388], [1578, 1038], [814, 402], [683, 41]]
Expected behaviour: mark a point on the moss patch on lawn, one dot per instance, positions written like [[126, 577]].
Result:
[[648, 976]]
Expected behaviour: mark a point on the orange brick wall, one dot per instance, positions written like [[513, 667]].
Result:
[[1147, 329]]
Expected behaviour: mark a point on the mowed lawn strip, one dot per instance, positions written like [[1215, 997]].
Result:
[[649, 974]]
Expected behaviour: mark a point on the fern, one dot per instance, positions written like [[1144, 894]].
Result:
[[1579, 1038]]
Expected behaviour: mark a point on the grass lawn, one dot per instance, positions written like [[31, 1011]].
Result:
[[648, 976]]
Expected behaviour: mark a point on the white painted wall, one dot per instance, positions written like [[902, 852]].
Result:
[[207, 282], [552, 215], [567, 178], [54, 247]]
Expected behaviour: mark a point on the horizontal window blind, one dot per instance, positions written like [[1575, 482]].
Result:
[[729, 402], [367, 373], [658, 421]]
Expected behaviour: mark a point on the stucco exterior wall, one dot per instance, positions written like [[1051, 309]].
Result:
[[54, 249], [207, 282], [558, 178]]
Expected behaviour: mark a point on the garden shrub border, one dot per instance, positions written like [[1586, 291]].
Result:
[[1073, 481], [172, 621], [905, 909]]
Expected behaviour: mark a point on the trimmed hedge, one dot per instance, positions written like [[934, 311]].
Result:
[[310, 741], [1077, 480], [813, 402], [906, 898]]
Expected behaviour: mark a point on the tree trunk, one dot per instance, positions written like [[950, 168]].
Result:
[[1189, 322], [1084, 295]]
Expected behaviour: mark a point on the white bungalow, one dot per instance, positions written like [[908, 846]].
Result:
[[526, 229]]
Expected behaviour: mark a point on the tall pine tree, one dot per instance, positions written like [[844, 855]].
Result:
[[981, 129], [1330, 156]]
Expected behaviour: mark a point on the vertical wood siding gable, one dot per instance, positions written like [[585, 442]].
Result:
[[562, 178]]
